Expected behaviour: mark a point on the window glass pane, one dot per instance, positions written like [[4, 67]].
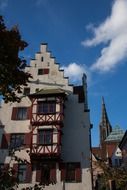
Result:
[[45, 136], [46, 107], [41, 136], [52, 108], [22, 113], [48, 137], [45, 174], [22, 173], [17, 140], [40, 71], [70, 172]]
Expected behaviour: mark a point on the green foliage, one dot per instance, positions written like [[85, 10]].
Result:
[[12, 75], [7, 178], [117, 174]]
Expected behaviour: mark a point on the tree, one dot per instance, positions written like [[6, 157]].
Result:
[[12, 74], [7, 178], [115, 174]]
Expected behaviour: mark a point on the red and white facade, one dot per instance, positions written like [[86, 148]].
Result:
[[49, 130]]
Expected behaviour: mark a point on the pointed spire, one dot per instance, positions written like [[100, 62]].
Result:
[[104, 118], [105, 126]]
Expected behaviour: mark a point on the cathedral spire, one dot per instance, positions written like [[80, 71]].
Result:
[[105, 127]]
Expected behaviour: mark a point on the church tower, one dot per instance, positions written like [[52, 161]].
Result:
[[105, 129]]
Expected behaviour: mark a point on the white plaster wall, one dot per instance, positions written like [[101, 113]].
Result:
[[116, 155]]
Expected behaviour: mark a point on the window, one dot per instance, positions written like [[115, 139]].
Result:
[[20, 113], [46, 107], [70, 172], [46, 173], [21, 173], [26, 91], [17, 140], [45, 136], [43, 71], [42, 59]]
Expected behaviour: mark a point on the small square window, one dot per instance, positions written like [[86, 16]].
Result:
[[42, 59], [26, 91]]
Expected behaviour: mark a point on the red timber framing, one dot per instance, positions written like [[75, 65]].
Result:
[[38, 118], [46, 121], [43, 148]]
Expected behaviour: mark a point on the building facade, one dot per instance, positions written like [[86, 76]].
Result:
[[46, 137]]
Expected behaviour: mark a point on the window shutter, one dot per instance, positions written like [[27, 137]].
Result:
[[53, 174], [46, 71], [28, 173], [5, 141], [15, 167], [78, 173], [63, 171], [38, 174], [27, 139], [14, 112], [28, 112]]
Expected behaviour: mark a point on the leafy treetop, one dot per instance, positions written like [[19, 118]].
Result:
[[12, 74]]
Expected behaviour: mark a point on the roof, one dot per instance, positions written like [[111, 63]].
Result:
[[116, 134], [48, 92], [123, 141], [96, 151]]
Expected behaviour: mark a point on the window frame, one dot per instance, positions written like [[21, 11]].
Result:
[[22, 171], [46, 107], [70, 169], [46, 137], [43, 71], [66, 172], [15, 142], [20, 113]]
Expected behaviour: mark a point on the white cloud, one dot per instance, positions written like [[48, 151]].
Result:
[[113, 33], [3, 4], [75, 72]]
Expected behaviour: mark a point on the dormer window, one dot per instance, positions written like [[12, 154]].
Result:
[[43, 71]]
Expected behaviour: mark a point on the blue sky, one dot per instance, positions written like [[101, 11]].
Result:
[[85, 36]]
